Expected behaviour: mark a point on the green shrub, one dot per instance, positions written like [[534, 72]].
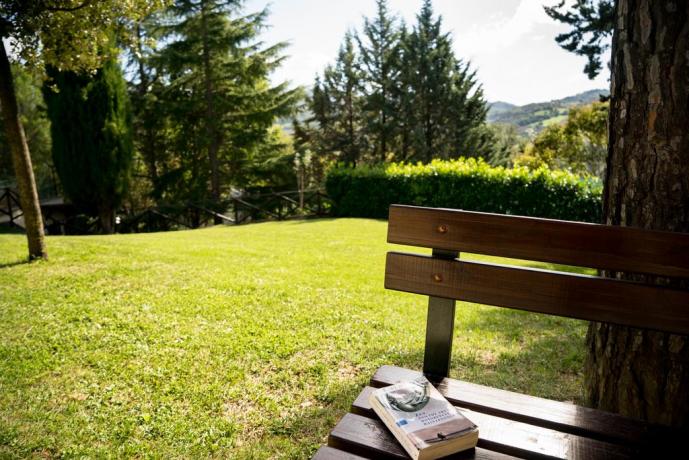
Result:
[[468, 184]]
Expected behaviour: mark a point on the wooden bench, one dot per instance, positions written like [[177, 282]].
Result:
[[512, 424]]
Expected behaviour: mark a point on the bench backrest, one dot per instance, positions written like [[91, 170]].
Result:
[[445, 278]]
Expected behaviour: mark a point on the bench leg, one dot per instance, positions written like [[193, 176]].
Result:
[[439, 331]]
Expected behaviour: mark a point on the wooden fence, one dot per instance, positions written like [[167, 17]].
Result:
[[279, 206], [10, 209], [238, 210]]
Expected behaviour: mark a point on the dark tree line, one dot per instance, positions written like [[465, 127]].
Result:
[[397, 93], [194, 124]]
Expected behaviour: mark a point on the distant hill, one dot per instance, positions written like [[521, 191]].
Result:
[[530, 119]]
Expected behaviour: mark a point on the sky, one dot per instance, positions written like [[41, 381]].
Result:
[[511, 43]]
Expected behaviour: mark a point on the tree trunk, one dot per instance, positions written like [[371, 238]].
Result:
[[211, 131], [353, 148], [149, 149], [384, 120], [639, 373], [21, 160], [107, 221]]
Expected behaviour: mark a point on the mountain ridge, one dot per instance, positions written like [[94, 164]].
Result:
[[530, 119]]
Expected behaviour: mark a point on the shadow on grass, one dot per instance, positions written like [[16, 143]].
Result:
[[547, 363], [6, 229], [13, 264], [311, 425], [310, 219], [525, 352]]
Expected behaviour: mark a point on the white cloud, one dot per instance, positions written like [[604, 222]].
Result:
[[494, 37], [511, 43]]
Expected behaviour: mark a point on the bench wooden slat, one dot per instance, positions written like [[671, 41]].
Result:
[[562, 294], [568, 243], [370, 438], [330, 453], [522, 439], [564, 417]]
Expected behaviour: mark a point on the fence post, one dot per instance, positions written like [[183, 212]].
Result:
[[8, 194], [279, 206]]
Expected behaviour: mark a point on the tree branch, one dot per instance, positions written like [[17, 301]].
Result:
[[69, 8]]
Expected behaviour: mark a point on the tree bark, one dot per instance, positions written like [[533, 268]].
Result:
[[149, 148], [211, 131], [384, 118], [21, 161], [639, 373], [107, 220]]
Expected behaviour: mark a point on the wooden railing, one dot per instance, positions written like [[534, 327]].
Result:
[[238, 210], [279, 205], [10, 209]]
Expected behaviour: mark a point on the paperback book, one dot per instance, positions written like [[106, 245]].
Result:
[[422, 420]]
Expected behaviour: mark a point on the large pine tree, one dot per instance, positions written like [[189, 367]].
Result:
[[219, 94], [643, 374], [91, 134]]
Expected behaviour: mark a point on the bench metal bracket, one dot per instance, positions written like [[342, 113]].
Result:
[[439, 331]]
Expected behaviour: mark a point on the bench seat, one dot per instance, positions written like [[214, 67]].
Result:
[[511, 425]]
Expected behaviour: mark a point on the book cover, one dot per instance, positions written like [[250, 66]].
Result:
[[422, 419]]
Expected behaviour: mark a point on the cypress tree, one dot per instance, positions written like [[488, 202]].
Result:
[[91, 134]]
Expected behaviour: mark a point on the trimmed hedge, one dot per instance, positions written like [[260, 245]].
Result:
[[468, 184]]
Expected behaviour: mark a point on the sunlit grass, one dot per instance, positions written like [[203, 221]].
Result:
[[247, 342]]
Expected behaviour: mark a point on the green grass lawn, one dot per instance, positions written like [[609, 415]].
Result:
[[245, 341]]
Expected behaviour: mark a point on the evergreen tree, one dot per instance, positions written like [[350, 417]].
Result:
[[323, 117], [404, 94], [341, 102], [91, 134], [151, 125], [218, 94], [405, 97], [449, 109], [469, 136], [644, 374], [647, 161], [379, 55]]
